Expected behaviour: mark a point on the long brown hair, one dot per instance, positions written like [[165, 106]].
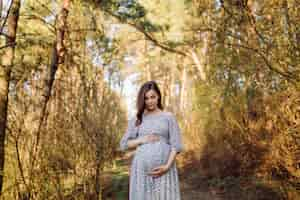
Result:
[[140, 104]]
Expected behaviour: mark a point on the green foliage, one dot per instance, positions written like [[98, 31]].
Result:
[[126, 10]]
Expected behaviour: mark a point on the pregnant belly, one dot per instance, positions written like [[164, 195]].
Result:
[[152, 155]]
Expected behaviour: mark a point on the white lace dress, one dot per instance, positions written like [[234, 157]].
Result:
[[150, 155]]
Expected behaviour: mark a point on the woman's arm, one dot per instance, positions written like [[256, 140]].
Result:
[[171, 159], [133, 143], [131, 139]]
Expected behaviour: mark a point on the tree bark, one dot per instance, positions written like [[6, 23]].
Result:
[[1, 6], [57, 59], [200, 65], [5, 71], [183, 88], [172, 88]]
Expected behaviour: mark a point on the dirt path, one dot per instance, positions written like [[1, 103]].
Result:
[[116, 184], [194, 186]]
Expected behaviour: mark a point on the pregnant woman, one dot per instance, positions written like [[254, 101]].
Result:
[[156, 136]]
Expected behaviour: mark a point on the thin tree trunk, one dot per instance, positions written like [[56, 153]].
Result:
[[1, 7], [98, 171], [148, 72], [200, 65], [167, 90], [56, 60], [164, 90], [171, 88], [183, 88], [5, 71]]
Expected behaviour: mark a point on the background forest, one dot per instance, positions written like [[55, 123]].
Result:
[[228, 69]]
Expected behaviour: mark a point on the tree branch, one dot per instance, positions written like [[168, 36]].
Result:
[[50, 26], [267, 62], [8, 45], [5, 19], [147, 35]]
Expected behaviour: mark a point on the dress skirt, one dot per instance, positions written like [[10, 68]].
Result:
[[146, 187]]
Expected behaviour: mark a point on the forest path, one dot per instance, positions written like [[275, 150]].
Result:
[[116, 182]]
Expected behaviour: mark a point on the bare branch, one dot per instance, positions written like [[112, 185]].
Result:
[[8, 45], [253, 24], [5, 19], [267, 62], [44, 6], [148, 36], [50, 26]]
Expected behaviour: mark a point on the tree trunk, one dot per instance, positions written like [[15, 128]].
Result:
[[1, 6], [57, 59], [172, 89], [148, 69], [167, 90], [183, 89], [148, 72], [5, 71], [200, 65], [98, 172]]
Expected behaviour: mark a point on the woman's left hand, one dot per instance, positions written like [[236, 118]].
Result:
[[158, 171]]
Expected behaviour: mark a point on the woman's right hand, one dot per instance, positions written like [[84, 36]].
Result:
[[149, 138]]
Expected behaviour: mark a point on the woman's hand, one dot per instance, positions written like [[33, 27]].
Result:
[[149, 138], [158, 171]]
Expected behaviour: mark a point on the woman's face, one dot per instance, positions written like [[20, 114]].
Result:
[[151, 100]]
